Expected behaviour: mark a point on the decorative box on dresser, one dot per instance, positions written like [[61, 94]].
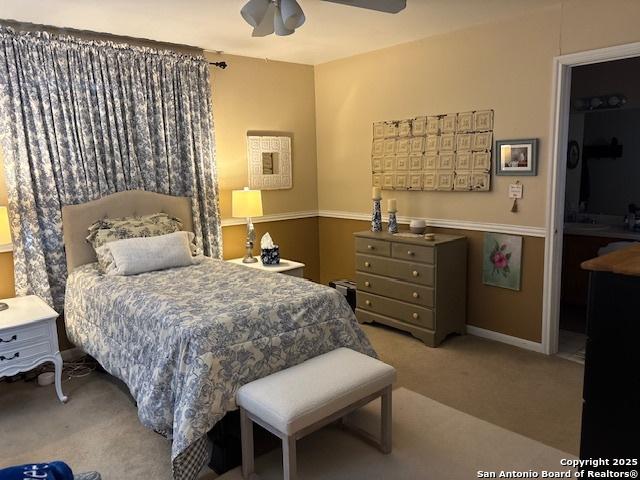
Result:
[[412, 284], [28, 337]]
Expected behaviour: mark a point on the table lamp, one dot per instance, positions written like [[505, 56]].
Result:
[[6, 244], [246, 204]]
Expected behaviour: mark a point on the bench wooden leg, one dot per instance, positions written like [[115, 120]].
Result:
[[246, 432], [289, 464], [385, 424]]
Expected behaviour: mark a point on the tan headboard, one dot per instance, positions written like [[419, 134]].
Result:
[[76, 219]]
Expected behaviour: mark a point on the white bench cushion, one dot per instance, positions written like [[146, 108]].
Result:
[[297, 397]]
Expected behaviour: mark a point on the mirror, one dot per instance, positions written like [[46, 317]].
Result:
[[269, 162]]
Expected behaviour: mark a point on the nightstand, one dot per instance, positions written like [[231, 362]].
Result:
[[288, 267], [28, 337]]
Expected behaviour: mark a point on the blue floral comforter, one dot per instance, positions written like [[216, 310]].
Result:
[[185, 339]]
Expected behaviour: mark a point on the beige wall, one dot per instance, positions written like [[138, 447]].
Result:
[[258, 95], [505, 66]]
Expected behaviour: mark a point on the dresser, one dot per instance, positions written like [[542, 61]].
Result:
[[611, 392], [412, 284], [28, 337]]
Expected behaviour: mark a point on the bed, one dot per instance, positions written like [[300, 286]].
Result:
[[185, 339]]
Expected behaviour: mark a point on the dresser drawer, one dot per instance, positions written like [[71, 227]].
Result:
[[402, 311], [23, 352], [11, 336], [412, 272], [373, 247], [416, 253], [406, 292]]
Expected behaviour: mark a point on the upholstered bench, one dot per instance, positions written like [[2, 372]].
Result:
[[299, 400]]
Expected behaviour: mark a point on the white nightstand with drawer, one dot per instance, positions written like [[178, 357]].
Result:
[[28, 337], [288, 267]]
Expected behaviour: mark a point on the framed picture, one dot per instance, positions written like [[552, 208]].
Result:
[[517, 157], [502, 260]]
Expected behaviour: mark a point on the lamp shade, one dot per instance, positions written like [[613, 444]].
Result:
[[5, 233], [246, 203]]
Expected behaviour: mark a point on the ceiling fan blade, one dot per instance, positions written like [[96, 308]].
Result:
[[387, 6], [254, 11], [266, 26], [279, 24]]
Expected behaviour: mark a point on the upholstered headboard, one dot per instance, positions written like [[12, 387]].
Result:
[[76, 219]]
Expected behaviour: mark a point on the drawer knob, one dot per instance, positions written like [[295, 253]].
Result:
[[410, 253], [415, 295], [367, 284], [370, 247], [367, 302], [15, 355], [415, 273], [12, 339], [367, 264], [415, 316]]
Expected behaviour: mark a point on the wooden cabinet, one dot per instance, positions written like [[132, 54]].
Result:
[[412, 284], [611, 395]]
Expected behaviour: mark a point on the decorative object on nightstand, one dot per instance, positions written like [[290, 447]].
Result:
[[28, 337], [269, 253], [376, 216], [246, 204], [288, 267], [393, 221]]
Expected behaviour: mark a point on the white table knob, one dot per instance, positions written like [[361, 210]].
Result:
[[415, 316], [367, 264], [415, 295], [370, 247], [410, 253], [367, 284], [415, 273], [368, 302]]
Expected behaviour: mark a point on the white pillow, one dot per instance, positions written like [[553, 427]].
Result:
[[147, 254]]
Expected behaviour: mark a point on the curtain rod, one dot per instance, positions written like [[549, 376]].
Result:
[[221, 65]]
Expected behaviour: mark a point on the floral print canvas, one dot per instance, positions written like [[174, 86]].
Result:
[[502, 260]]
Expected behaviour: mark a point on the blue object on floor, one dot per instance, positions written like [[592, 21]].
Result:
[[42, 471]]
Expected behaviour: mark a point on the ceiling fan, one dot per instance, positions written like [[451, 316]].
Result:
[[284, 16]]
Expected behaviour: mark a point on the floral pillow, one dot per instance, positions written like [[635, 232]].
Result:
[[112, 229]]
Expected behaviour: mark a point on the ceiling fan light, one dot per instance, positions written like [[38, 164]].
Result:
[[266, 25], [292, 15], [280, 28], [254, 11]]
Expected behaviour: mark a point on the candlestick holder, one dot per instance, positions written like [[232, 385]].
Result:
[[376, 216], [393, 222]]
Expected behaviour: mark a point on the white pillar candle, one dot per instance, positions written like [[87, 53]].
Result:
[[392, 205], [376, 195]]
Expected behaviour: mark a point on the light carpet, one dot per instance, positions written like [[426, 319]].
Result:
[[430, 441]]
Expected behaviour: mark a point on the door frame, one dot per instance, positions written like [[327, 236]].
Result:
[[556, 176]]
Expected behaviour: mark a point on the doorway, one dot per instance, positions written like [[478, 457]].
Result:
[[565, 212]]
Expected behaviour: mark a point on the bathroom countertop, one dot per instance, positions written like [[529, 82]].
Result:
[[601, 230]]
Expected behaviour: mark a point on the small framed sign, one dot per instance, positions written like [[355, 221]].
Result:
[[517, 157]]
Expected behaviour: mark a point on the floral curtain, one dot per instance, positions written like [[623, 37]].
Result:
[[83, 119]]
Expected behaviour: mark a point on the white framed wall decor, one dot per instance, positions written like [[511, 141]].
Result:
[[269, 160]]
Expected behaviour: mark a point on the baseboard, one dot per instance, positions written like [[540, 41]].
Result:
[[501, 337], [71, 354]]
